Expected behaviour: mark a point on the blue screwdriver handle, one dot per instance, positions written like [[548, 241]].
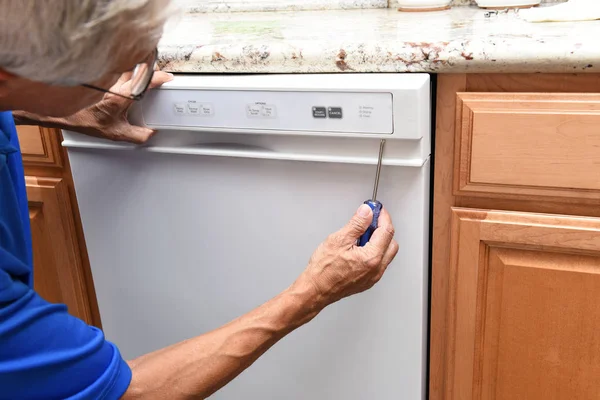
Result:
[[376, 206]]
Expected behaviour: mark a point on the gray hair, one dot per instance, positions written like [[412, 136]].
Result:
[[69, 42]]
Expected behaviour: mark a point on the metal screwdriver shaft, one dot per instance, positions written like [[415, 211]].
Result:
[[376, 186], [375, 205]]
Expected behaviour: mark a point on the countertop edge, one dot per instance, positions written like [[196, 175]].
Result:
[[457, 41]]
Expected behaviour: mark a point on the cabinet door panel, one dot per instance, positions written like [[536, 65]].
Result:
[[39, 146], [528, 144], [58, 276], [524, 306]]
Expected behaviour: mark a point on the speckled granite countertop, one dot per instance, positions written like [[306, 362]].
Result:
[[462, 39]]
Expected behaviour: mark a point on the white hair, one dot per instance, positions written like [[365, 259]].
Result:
[[69, 42]]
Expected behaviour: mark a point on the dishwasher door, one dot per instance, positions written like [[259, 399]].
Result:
[[194, 229]]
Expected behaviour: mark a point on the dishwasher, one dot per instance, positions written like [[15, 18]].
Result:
[[223, 207]]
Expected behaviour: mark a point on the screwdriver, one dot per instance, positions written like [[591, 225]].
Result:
[[375, 205]]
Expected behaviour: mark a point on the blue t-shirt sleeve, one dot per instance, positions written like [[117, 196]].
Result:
[[45, 353]]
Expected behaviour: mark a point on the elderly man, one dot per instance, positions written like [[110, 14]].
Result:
[[64, 63]]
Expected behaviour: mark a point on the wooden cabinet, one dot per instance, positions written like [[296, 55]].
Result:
[[524, 315], [514, 144], [515, 293], [61, 266], [40, 146]]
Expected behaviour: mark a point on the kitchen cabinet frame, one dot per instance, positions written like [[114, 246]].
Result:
[[452, 201], [61, 266]]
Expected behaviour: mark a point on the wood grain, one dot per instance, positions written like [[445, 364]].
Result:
[[55, 210], [564, 207], [535, 144], [519, 83], [57, 262], [86, 270], [39, 146], [524, 306], [448, 86], [442, 343]]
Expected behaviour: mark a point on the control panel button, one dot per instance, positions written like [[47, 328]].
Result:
[[319, 112], [206, 109], [254, 110], [269, 111], [335, 112], [193, 108], [179, 108]]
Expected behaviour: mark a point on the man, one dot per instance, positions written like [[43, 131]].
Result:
[[69, 58]]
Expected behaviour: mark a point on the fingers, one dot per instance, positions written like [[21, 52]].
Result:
[[159, 78], [137, 135], [390, 253], [382, 242], [123, 80], [384, 218], [357, 225], [125, 76], [388, 257], [123, 84], [383, 235]]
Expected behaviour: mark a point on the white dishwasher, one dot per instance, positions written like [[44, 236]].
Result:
[[223, 208]]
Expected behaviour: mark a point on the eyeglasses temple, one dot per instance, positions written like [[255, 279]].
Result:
[[131, 97]]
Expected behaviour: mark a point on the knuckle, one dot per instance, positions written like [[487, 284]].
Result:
[[390, 230], [373, 260], [330, 239]]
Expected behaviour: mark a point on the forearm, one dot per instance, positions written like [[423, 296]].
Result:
[[198, 367], [106, 120], [26, 118], [91, 121]]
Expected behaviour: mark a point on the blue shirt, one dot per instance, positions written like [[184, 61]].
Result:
[[45, 353]]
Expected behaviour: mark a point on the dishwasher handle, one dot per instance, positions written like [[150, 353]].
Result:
[[246, 151]]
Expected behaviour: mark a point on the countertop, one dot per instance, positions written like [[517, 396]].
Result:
[[462, 39]]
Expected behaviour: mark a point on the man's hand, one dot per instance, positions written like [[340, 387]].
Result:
[[106, 119], [339, 268]]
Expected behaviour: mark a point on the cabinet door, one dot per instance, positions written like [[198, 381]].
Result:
[[524, 306], [40, 146], [58, 274], [524, 145]]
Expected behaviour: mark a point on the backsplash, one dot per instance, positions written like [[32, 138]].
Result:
[[206, 6], [203, 6]]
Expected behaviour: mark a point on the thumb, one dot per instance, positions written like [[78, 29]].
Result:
[[137, 134], [357, 225], [159, 78]]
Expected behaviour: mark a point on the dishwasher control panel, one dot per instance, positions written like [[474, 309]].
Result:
[[387, 105], [286, 110]]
